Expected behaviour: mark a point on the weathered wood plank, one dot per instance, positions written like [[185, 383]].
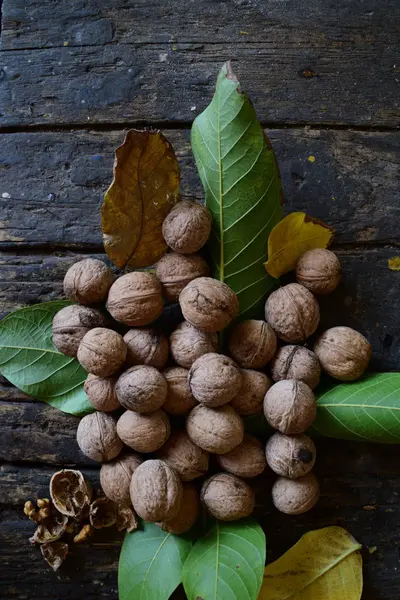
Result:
[[293, 75], [52, 184]]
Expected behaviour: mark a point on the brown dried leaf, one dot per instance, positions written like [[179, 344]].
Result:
[[54, 554], [144, 189]]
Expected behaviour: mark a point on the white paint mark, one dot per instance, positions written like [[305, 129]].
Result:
[[163, 56], [193, 108], [6, 195]]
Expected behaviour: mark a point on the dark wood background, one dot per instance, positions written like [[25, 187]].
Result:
[[324, 77]]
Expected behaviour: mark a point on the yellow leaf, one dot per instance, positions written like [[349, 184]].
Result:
[[144, 189], [293, 236], [394, 263], [324, 564]]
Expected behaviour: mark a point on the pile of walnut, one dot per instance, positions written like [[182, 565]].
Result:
[[73, 513], [148, 462]]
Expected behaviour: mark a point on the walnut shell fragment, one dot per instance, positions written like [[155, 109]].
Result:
[[189, 343], [187, 227], [126, 519], [88, 281], [175, 271], [146, 346], [188, 513], [102, 513], [208, 304], [116, 475], [214, 379], [54, 553], [71, 494], [181, 454], [227, 497], [293, 313], [135, 299], [50, 529], [252, 344]]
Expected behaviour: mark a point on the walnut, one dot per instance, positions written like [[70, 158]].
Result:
[[70, 492], [208, 304], [126, 519], [156, 491], [343, 353], [250, 397], [50, 529], [188, 513], [100, 392], [214, 379], [293, 313], [189, 343], [142, 389], [97, 437], [319, 271], [295, 496], [180, 399], [227, 497], [181, 454], [71, 324], [146, 347], [88, 281], [175, 271], [246, 460], [252, 344], [289, 406], [296, 362], [216, 430], [115, 476], [102, 352], [103, 513], [84, 534], [144, 433], [135, 299], [290, 456], [187, 227], [54, 553]]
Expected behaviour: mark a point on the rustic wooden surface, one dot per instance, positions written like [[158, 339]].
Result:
[[74, 76]]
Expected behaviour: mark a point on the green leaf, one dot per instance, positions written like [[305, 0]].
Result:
[[227, 563], [366, 410], [240, 176], [150, 564], [29, 360]]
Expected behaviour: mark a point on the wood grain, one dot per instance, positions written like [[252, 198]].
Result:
[[52, 184]]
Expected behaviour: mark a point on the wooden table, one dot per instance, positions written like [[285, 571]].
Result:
[[324, 77]]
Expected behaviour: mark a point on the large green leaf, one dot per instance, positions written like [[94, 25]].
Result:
[[366, 410], [240, 176], [30, 361], [227, 563], [150, 564]]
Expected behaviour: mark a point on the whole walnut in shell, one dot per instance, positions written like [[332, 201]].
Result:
[[156, 491], [319, 271], [296, 362], [100, 392], [246, 460], [216, 430], [181, 454], [97, 437], [343, 353], [250, 397], [144, 433], [290, 456], [293, 313], [208, 304], [88, 281], [180, 399], [295, 496], [252, 344], [227, 497], [188, 513], [70, 493], [187, 227], [102, 352], [71, 324], [214, 379], [142, 389], [289, 406], [188, 343], [135, 299], [116, 475], [175, 271], [146, 347]]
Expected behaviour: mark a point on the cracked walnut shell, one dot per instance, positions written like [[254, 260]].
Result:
[[102, 352], [188, 343], [319, 271], [135, 299], [144, 433], [208, 304], [246, 460], [216, 430], [146, 347], [293, 313], [100, 392], [175, 271], [296, 362], [142, 389], [289, 406], [156, 491], [70, 493], [227, 497], [252, 344], [343, 353], [187, 227], [214, 379], [88, 281], [71, 324], [181, 454], [296, 496], [97, 437], [290, 456], [116, 475]]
